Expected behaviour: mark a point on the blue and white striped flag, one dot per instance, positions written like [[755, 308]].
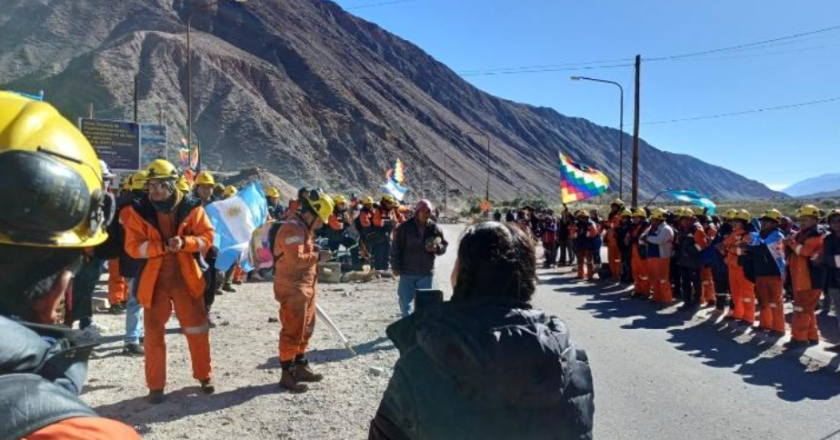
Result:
[[395, 189], [695, 198], [235, 219]]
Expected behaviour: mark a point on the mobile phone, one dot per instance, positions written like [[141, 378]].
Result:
[[424, 298]]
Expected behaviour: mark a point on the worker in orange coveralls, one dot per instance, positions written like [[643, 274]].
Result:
[[296, 277], [168, 230]]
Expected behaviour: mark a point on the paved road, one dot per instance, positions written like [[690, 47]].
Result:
[[660, 377]]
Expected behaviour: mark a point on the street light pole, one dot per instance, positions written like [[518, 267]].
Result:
[[189, 78], [620, 129], [487, 187]]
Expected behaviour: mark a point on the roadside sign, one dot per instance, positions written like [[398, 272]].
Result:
[[115, 142]]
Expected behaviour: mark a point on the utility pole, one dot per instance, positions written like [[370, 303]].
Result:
[[136, 96], [90, 110], [636, 133], [160, 115], [189, 90]]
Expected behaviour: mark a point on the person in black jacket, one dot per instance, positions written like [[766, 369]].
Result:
[[416, 244], [831, 259], [486, 365]]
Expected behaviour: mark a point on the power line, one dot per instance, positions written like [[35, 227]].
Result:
[[746, 45], [566, 69], [591, 65], [745, 112]]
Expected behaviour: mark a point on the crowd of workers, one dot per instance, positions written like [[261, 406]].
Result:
[[737, 261], [159, 247]]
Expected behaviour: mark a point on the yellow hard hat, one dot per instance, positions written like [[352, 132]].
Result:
[[809, 211], [687, 212], [182, 184], [834, 213], [230, 191], [138, 180], [582, 213], [744, 215], [161, 169], [617, 202], [50, 179], [339, 200], [204, 178], [627, 213], [368, 201], [272, 193], [659, 214], [640, 212], [730, 214], [773, 214], [389, 199], [322, 204]]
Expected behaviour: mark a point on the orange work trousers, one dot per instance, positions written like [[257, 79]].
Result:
[[297, 319], [660, 279], [769, 291], [641, 278], [804, 325], [192, 316], [586, 264], [743, 295], [614, 256], [117, 287], [238, 274], [709, 296]]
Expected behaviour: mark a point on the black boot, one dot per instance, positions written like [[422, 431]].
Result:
[[303, 373], [289, 381]]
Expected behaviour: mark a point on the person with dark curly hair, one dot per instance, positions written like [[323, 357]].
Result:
[[486, 364]]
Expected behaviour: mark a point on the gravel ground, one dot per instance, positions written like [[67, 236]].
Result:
[[248, 402]]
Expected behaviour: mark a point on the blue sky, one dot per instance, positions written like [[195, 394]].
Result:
[[775, 147]]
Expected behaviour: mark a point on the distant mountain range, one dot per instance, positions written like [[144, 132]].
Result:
[[821, 186], [313, 94]]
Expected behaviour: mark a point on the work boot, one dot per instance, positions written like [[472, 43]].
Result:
[[228, 288], [133, 350], [303, 373], [289, 381], [155, 397], [207, 386]]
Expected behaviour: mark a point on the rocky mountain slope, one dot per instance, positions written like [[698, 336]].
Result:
[[827, 184], [313, 94]]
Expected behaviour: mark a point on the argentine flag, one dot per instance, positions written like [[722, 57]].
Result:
[[395, 189], [695, 198], [235, 219]]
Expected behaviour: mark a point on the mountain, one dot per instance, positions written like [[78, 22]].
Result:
[[313, 94], [827, 183]]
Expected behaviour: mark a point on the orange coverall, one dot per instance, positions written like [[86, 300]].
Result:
[[707, 280], [613, 251], [294, 287], [805, 295], [117, 287], [171, 280], [641, 278], [743, 291]]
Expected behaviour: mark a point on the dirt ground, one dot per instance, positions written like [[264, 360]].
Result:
[[248, 402]]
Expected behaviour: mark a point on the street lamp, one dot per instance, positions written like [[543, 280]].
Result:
[[621, 129], [201, 8], [487, 187]]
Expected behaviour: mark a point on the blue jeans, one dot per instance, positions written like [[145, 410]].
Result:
[[405, 290], [133, 314]]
